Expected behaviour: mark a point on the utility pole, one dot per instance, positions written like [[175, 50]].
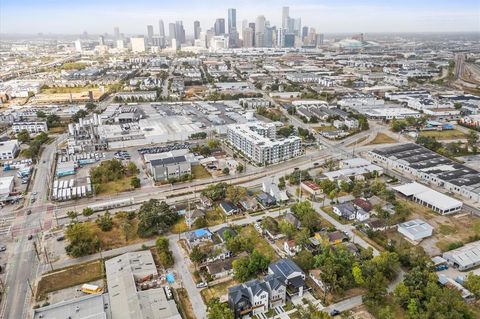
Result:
[[46, 256], [30, 285], [36, 250]]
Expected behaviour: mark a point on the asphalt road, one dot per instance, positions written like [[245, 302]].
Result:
[[24, 263]]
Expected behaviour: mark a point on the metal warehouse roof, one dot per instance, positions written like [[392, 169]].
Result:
[[428, 195]]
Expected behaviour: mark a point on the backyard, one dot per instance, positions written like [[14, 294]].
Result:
[[261, 245], [217, 291]]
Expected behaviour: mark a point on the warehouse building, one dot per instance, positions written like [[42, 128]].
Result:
[[431, 168], [465, 257], [6, 187], [430, 198], [415, 229], [9, 149], [129, 277], [258, 142]]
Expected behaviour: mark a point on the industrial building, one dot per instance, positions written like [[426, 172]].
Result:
[[6, 187], [465, 257], [129, 277], [430, 168], [257, 141], [9, 149], [415, 229], [85, 307], [430, 198]]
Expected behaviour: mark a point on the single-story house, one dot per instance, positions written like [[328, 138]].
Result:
[[198, 236], [193, 215], [249, 203], [292, 219], [221, 233], [375, 224], [345, 210], [266, 200], [362, 203], [228, 208], [220, 268]]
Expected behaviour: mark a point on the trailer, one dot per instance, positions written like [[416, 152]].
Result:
[[84, 191], [64, 194], [72, 182], [69, 194], [112, 204], [54, 193], [89, 189], [55, 183], [74, 192]]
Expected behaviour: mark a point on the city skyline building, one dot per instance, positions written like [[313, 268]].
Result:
[[219, 26], [161, 28], [196, 30]]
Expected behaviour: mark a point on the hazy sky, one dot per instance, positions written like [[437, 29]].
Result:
[[99, 16]]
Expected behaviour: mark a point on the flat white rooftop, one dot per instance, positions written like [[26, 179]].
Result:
[[429, 196]]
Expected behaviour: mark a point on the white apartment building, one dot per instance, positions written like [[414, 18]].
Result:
[[8, 149], [30, 127], [258, 142]]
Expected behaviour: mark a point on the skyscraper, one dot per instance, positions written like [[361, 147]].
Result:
[[171, 31], [116, 33], [251, 25], [304, 32], [196, 29], [232, 20], [149, 33], [161, 28], [260, 31], [219, 26], [285, 17], [248, 35], [179, 32]]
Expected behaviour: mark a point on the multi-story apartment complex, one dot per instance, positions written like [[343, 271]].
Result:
[[257, 141], [8, 149], [30, 127]]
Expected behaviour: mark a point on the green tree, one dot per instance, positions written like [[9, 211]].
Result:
[[23, 136], [472, 140], [235, 193], [53, 120], [41, 114], [132, 169], [215, 192], [245, 268], [164, 254], [82, 240], [155, 217], [240, 168], [77, 116], [226, 171], [472, 283], [126, 226], [105, 222], [197, 255], [287, 228], [72, 215], [87, 211], [219, 310], [135, 182], [304, 259]]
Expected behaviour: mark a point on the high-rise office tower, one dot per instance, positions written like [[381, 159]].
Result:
[[116, 33], [285, 17], [281, 37], [150, 33], [161, 28], [304, 32], [248, 36], [171, 31], [260, 31], [179, 32], [101, 40], [269, 37], [320, 39], [232, 20], [219, 26], [196, 29], [251, 25], [297, 26]]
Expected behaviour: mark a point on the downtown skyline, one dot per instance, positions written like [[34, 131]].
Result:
[[325, 16]]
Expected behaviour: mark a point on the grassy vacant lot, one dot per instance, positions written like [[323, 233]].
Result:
[[447, 134], [382, 138], [326, 128], [455, 229], [179, 227], [116, 237], [113, 187], [217, 291], [68, 277], [261, 245], [215, 217], [199, 172], [185, 304], [78, 89]]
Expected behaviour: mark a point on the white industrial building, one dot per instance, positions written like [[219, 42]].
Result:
[[127, 277], [30, 127], [465, 257], [430, 168], [430, 198], [258, 142], [415, 229], [8, 149], [6, 187]]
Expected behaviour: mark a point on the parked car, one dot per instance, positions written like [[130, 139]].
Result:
[[60, 238], [29, 212], [334, 312], [202, 285], [3, 248], [30, 237]]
